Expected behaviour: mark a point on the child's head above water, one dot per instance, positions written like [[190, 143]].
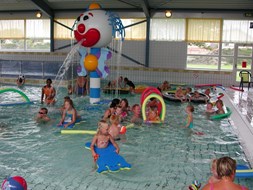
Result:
[[219, 103], [136, 109], [103, 127], [189, 108]]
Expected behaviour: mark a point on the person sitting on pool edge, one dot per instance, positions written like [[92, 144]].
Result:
[[42, 115], [49, 92], [226, 169]]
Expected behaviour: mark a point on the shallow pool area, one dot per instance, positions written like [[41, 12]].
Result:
[[163, 156]]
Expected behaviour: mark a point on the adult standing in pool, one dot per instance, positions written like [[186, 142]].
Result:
[[226, 168], [49, 92]]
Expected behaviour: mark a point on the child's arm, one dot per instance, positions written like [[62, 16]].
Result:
[[94, 140], [62, 118], [114, 144], [42, 95]]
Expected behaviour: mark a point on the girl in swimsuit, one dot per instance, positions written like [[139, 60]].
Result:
[[102, 138], [226, 168], [69, 114], [189, 122]]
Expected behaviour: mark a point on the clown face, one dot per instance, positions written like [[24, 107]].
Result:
[[94, 29]]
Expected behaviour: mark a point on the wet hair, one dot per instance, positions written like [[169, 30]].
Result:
[[70, 102], [101, 124], [191, 108], [67, 98], [134, 106], [226, 166], [114, 102], [49, 80], [219, 101], [44, 109]]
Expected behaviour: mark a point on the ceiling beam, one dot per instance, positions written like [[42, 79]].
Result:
[[146, 8], [44, 7], [127, 3]]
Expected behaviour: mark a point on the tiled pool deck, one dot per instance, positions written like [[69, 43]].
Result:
[[241, 104]]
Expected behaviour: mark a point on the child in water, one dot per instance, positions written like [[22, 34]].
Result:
[[219, 105], [189, 110], [209, 108], [136, 118], [153, 114], [69, 114], [214, 178], [102, 139]]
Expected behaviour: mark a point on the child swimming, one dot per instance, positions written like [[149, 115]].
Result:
[[209, 108], [102, 138], [219, 105]]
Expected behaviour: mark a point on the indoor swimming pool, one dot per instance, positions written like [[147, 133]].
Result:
[[163, 156]]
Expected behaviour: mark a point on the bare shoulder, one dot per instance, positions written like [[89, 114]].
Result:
[[206, 187]]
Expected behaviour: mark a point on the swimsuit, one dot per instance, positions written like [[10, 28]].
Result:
[[191, 124], [211, 188], [48, 92], [68, 117]]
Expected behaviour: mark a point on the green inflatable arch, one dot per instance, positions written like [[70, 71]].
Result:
[[15, 90]]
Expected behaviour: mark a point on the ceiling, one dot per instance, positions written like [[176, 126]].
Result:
[[147, 6]]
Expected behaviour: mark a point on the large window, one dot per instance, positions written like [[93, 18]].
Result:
[[167, 29], [61, 32], [202, 55], [203, 30], [25, 35], [135, 32], [206, 48]]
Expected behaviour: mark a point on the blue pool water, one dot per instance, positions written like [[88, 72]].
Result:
[[163, 156]]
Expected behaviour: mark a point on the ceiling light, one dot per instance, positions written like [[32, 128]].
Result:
[[38, 14], [168, 14]]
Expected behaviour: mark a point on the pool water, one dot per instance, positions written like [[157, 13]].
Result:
[[163, 156]]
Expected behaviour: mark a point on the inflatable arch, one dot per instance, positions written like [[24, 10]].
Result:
[[163, 107], [27, 100]]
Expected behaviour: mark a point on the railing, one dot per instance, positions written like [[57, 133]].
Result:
[[32, 69]]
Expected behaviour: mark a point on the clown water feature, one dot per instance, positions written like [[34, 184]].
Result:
[[95, 28]]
